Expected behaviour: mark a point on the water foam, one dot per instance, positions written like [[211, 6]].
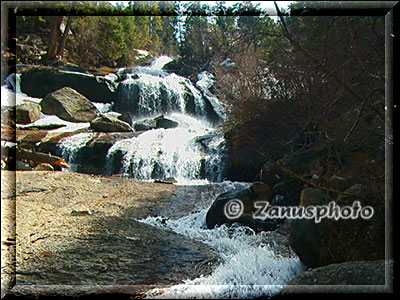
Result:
[[248, 268], [70, 147], [175, 152]]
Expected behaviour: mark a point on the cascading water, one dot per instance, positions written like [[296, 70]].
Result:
[[192, 151], [251, 265], [148, 91], [181, 153], [70, 146]]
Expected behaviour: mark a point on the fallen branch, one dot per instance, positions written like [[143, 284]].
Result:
[[41, 158]]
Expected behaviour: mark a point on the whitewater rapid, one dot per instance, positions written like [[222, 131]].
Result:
[[249, 266]]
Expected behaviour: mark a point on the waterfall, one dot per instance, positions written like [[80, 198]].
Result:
[[11, 91], [148, 91], [191, 151], [159, 62], [194, 151], [70, 147]]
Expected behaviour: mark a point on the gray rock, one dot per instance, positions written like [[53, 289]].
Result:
[[27, 112], [306, 241], [69, 105], [312, 196], [107, 123], [145, 125], [334, 241], [165, 123], [158, 122], [348, 276], [258, 191], [126, 117], [113, 114], [107, 251], [22, 166]]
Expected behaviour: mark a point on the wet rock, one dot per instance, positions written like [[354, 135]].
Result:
[[28, 112], [107, 123], [154, 123], [93, 155], [69, 105], [343, 276], [165, 123], [126, 117], [146, 124], [258, 191], [169, 180], [42, 140]]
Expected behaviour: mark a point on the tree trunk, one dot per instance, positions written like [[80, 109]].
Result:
[[64, 37], [53, 38], [41, 158]]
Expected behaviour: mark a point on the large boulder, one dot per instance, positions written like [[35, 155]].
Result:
[[344, 239], [144, 125], [40, 81], [27, 112], [69, 105], [154, 123], [225, 204], [343, 277], [107, 123], [165, 123]]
